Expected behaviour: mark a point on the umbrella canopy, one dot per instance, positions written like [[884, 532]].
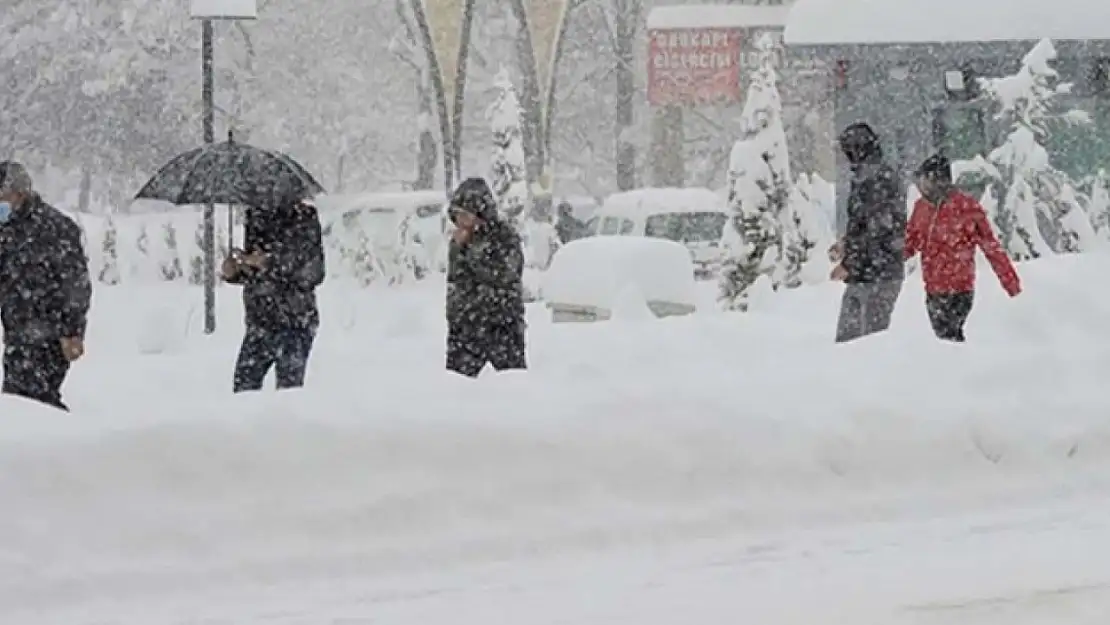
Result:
[[231, 173]]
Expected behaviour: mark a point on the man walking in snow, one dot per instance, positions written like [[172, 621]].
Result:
[[485, 288], [946, 227], [280, 268], [870, 255], [45, 290]]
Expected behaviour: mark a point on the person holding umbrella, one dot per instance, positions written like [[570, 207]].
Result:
[[45, 290], [279, 269], [282, 262]]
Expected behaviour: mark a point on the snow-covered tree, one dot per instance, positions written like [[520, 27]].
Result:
[[516, 199], [753, 237], [509, 175], [1034, 193], [759, 193]]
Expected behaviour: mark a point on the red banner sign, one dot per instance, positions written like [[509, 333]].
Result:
[[694, 66]]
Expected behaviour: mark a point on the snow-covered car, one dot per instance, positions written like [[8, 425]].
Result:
[[598, 278], [404, 228], [694, 217]]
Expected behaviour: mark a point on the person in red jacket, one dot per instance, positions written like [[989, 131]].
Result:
[[946, 226]]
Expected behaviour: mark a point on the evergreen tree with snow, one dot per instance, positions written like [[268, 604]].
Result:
[[1033, 191], [509, 175], [760, 192], [110, 270], [753, 236]]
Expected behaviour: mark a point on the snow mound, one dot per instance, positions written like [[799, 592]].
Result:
[[619, 434], [596, 271]]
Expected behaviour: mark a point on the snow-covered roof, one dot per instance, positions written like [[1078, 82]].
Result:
[[642, 202], [817, 22], [716, 16], [225, 9]]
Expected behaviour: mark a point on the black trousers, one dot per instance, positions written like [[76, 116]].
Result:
[[287, 350], [36, 372], [948, 313], [502, 348]]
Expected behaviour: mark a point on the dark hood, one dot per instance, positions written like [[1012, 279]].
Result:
[[860, 144], [474, 196]]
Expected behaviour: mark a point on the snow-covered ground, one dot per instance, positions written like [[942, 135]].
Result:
[[710, 470]]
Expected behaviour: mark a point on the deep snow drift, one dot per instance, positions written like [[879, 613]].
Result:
[[632, 446]]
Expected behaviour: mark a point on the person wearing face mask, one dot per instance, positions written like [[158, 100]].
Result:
[[45, 290], [946, 227], [870, 254], [485, 289]]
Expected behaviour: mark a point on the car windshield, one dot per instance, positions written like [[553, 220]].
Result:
[[686, 227]]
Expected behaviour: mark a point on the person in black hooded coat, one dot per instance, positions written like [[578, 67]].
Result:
[[45, 290], [485, 290], [870, 255]]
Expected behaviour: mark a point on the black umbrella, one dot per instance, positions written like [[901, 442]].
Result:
[[234, 174]]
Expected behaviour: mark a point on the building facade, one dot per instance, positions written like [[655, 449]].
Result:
[[919, 88]]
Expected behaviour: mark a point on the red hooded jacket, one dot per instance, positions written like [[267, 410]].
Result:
[[947, 238]]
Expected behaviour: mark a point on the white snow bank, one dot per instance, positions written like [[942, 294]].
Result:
[[604, 271], [619, 433], [813, 22]]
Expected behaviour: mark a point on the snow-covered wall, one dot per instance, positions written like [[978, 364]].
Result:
[[129, 249]]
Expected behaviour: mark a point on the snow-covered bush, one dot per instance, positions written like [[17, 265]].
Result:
[[196, 262], [802, 234], [1098, 203], [168, 258], [143, 263], [1077, 234], [109, 269]]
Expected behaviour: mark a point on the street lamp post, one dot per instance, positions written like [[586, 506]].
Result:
[[207, 11]]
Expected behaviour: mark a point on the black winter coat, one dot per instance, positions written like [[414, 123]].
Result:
[[875, 236], [485, 289], [45, 290], [283, 293]]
